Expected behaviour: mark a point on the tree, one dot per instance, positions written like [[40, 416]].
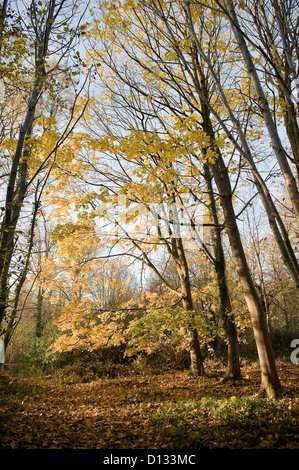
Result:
[[275, 38], [165, 233], [269, 376], [50, 29], [84, 287], [264, 106], [165, 25], [137, 107], [225, 307]]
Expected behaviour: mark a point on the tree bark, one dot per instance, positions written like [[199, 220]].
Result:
[[291, 125], [269, 376], [176, 250], [290, 116], [275, 221], [264, 106], [233, 370], [15, 194], [196, 359]]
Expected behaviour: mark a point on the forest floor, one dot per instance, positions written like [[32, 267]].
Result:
[[169, 410]]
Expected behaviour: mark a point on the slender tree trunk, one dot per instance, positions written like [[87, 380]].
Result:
[[269, 376], [290, 115], [175, 249], [233, 370], [12, 213], [15, 196], [39, 313], [197, 367], [291, 125], [264, 106], [196, 359], [3, 13], [15, 316], [275, 221]]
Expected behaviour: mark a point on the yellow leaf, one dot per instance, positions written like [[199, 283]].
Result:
[[109, 432]]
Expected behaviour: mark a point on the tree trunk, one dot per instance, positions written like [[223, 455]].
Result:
[[197, 367], [269, 376], [39, 313], [275, 221], [291, 125], [12, 213], [264, 106], [233, 370], [290, 115], [196, 359], [15, 316], [15, 195]]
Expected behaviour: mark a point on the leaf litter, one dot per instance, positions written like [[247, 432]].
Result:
[[167, 410]]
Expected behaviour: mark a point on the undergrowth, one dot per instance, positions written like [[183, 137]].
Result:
[[238, 422]]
